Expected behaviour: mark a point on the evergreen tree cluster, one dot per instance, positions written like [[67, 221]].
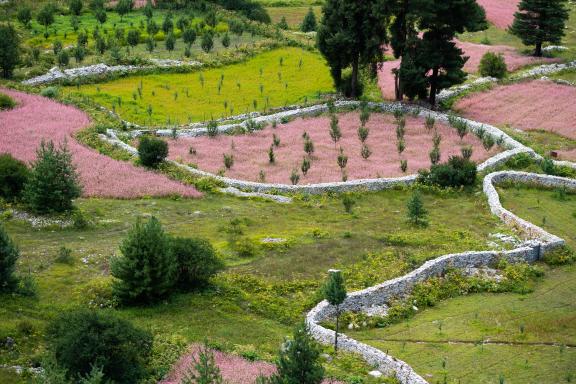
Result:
[[153, 264]]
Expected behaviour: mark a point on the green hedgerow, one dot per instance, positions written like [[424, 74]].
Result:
[[83, 339], [13, 176], [152, 151], [53, 182]]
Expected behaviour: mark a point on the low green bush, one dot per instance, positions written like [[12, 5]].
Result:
[[13, 176], [559, 256], [6, 102], [197, 261], [50, 92], [83, 339], [493, 65], [152, 151], [457, 172]]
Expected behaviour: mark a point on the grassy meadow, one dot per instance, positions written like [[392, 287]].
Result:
[[255, 302], [530, 337], [273, 79]]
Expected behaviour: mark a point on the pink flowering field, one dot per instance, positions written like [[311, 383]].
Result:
[[528, 105], [500, 12], [37, 118], [514, 61], [250, 151], [234, 369]]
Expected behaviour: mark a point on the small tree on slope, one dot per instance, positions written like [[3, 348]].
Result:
[[537, 22], [298, 362], [146, 271], [335, 293], [53, 182]]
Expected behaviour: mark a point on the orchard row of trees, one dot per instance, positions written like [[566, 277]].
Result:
[[421, 33]]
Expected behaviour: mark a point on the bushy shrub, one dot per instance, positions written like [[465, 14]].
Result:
[[456, 172], [53, 182], [197, 261], [83, 339], [147, 269], [6, 102], [152, 151], [246, 248], [64, 256], [13, 176], [348, 202], [520, 161], [548, 167], [8, 256], [560, 256], [50, 92], [493, 65]]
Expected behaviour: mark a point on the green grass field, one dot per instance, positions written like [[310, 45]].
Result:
[[272, 79], [256, 301], [530, 331]]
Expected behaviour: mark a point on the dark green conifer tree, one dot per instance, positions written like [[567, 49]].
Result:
[[540, 21]]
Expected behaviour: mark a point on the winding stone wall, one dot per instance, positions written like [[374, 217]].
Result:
[[538, 242]]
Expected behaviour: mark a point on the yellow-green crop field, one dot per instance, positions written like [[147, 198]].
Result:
[[272, 79]]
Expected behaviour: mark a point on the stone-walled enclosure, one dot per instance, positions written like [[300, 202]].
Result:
[[538, 241], [512, 147]]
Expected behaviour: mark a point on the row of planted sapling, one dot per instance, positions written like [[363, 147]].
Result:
[[332, 147]]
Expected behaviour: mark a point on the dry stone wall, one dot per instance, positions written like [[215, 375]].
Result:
[[538, 242]]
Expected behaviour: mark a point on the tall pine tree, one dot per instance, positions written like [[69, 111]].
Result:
[[540, 21], [351, 34], [431, 62]]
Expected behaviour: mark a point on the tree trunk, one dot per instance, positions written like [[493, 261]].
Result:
[[337, 328], [433, 86], [354, 85], [538, 50], [397, 91]]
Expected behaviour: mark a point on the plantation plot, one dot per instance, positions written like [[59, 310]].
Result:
[[528, 106], [272, 79], [252, 158], [38, 118]]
